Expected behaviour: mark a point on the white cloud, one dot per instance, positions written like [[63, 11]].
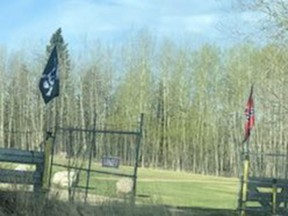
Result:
[[134, 3], [250, 16], [88, 16], [111, 19], [196, 23], [30, 26], [112, 16]]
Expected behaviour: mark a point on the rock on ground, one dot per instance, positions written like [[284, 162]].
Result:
[[61, 178], [124, 186]]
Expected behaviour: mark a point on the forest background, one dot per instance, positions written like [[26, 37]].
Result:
[[193, 99]]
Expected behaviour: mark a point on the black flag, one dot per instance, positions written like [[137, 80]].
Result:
[[49, 82]]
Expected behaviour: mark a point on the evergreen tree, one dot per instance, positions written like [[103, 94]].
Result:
[[62, 110]]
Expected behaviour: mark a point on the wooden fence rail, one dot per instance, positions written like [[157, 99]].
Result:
[[22, 177], [21, 156], [270, 194]]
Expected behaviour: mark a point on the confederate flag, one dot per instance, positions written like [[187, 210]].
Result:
[[250, 116]]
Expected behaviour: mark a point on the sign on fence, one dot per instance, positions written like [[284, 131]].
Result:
[[109, 161]]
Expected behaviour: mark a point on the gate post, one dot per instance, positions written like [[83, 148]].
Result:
[[139, 136], [47, 157]]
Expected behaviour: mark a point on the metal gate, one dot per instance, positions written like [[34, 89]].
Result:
[[98, 158]]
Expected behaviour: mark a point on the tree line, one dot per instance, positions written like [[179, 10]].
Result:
[[193, 100]]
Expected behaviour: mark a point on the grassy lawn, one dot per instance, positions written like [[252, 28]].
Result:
[[167, 187], [183, 189], [159, 192]]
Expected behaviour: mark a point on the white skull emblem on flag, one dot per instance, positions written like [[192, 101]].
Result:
[[49, 81]]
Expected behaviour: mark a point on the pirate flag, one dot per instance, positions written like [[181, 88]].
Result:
[[49, 82]]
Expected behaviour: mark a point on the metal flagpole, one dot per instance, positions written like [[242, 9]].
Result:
[[245, 176], [249, 112], [49, 88], [48, 149], [56, 104], [48, 119]]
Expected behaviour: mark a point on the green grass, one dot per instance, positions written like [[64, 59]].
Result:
[[183, 189], [159, 192], [168, 187]]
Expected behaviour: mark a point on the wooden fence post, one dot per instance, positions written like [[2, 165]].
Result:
[[47, 158]]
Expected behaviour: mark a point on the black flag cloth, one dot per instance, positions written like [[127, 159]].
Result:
[[49, 82]]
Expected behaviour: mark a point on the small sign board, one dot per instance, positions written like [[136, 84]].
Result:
[[109, 161]]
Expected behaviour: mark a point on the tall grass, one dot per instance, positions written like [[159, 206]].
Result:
[[25, 204]]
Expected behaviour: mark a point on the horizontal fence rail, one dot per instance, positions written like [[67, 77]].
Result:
[[99, 131], [21, 156], [22, 176], [94, 171], [270, 193], [19, 177]]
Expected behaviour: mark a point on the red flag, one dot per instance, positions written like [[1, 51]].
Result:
[[250, 115]]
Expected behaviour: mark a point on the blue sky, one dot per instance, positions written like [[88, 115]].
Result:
[[32, 22]]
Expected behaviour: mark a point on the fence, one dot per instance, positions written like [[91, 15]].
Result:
[[22, 177], [85, 148], [265, 195], [264, 184]]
